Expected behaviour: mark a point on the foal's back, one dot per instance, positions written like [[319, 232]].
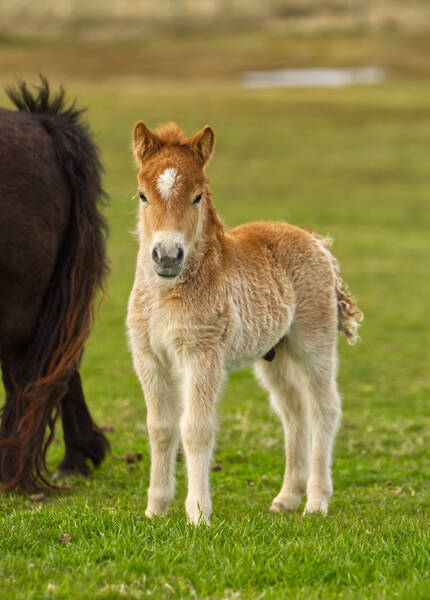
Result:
[[294, 250], [280, 281]]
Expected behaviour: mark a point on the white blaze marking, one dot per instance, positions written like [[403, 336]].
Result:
[[167, 183], [169, 239]]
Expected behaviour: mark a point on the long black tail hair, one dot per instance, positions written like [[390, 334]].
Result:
[[67, 312]]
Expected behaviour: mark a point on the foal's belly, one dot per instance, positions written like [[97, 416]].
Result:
[[255, 333]]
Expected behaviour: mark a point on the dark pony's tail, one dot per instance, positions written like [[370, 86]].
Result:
[[66, 316]]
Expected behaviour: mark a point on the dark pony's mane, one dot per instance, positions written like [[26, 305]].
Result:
[[66, 316]]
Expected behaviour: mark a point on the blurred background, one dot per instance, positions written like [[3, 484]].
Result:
[[321, 111], [209, 39], [348, 157], [126, 18]]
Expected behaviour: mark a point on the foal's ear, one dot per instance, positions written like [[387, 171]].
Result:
[[202, 144], [145, 142]]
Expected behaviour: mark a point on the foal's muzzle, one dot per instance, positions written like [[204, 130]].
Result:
[[167, 259]]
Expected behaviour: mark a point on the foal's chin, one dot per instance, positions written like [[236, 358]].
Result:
[[167, 274]]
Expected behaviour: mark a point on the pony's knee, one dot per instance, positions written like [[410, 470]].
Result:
[[160, 433], [197, 435]]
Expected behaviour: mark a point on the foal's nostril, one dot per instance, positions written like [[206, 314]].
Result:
[[167, 258], [156, 256]]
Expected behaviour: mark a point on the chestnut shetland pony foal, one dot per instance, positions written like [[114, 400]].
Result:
[[206, 300]]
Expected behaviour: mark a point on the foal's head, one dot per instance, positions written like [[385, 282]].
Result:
[[173, 191]]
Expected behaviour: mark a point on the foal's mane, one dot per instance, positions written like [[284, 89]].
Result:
[[215, 220]]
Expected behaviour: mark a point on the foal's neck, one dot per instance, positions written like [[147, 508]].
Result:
[[214, 227]]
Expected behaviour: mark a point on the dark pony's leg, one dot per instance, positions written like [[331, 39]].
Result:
[[82, 438], [10, 417]]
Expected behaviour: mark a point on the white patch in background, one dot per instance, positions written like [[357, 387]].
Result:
[[312, 77], [167, 183]]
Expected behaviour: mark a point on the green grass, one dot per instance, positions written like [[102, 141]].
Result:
[[352, 163]]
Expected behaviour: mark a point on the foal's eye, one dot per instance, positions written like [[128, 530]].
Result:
[[143, 198], [197, 199]]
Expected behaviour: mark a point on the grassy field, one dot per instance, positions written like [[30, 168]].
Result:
[[351, 163]]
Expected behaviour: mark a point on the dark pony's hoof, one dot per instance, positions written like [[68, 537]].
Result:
[[71, 469]]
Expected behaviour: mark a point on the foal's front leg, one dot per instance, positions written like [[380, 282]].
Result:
[[163, 415], [203, 377]]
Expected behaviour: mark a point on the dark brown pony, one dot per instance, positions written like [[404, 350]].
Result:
[[52, 263]]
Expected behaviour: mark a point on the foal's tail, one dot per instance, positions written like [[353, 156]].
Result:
[[349, 315], [66, 316]]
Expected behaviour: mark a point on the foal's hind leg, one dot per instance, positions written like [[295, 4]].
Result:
[[325, 412], [284, 382], [82, 438]]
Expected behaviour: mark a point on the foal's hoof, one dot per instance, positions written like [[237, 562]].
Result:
[[199, 521], [280, 508], [286, 503], [317, 505], [150, 514]]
